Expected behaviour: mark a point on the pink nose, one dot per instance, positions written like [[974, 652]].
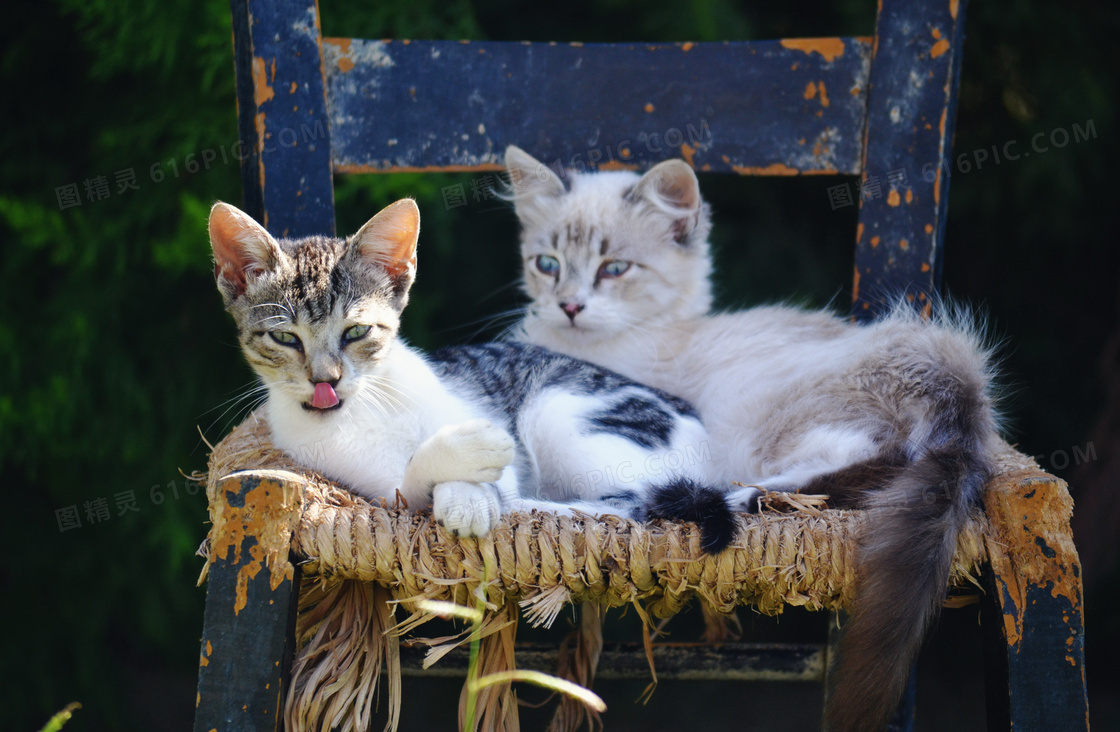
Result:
[[572, 309], [324, 398]]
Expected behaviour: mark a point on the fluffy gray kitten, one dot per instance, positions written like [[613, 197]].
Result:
[[474, 431], [895, 416]]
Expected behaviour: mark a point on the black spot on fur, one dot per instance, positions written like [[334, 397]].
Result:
[[506, 374], [686, 500], [638, 419], [621, 498]]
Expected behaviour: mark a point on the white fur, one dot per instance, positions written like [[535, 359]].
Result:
[[589, 467], [769, 382], [419, 437]]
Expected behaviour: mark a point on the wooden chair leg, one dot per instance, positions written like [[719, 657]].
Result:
[[1033, 615], [252, 595]]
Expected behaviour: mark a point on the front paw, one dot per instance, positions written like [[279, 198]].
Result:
[[465, 509], [473, 452]]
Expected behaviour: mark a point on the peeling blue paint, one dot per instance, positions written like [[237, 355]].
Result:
[[747, 97]]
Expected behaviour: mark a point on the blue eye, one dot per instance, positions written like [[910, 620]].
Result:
[[355, 332], [548, 264], [285, 339], [614, 268]]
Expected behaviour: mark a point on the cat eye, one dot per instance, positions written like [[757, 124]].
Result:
[[285, 338], [614, 268], [548, 264], [355, 332]]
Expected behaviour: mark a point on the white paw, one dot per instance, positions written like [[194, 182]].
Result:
[[465, 509], [474, 452]]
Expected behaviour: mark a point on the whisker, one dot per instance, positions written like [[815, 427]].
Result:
[[388, 385], [388, 402], [486, 323], [241, 405]]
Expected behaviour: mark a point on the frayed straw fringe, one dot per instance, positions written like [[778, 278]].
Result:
[[578, 665], [342, 640], [346, 627]]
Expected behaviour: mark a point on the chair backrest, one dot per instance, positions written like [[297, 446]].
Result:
[[881, 108]]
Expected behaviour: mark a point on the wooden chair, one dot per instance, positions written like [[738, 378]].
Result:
[[881, 108]]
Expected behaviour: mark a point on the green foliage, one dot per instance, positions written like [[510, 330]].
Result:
[[58, 721], [114, 349]]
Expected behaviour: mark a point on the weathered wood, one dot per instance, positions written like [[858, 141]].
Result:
[[284, 133], [686, 661], [911, 111], [762, 107], [1033, 619], [249, 621]]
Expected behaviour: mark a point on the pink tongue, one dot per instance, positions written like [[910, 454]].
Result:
[[324, 396]]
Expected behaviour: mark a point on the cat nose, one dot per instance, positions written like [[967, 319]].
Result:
[[324, 370], [332, 377], [572, 309]]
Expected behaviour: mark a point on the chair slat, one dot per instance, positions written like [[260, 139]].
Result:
[[766, 107], [285, 142], [912, 101], [685, 661]]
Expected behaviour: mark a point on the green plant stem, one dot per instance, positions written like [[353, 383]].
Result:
[[56, 722], [472, 663]]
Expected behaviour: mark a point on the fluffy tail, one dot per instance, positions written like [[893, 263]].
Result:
[[685, 500], [906, 555]]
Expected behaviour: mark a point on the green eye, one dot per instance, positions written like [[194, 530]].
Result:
[[614, 268], [355, 332], [548, 264], [285, 339]]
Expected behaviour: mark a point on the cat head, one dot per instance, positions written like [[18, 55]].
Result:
[[315, 316], [610, 251]]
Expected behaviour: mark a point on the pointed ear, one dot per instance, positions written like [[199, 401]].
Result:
[[243, 249], [388, 241], [530, 179], [670, 186]]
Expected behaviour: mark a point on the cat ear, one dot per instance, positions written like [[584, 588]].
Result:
[[388, 241], [243, 249], [671, 187], [531, 182]]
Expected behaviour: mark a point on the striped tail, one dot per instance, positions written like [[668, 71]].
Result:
[[906, 554]]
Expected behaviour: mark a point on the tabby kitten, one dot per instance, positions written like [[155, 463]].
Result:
[[895, 416], [474, 431]]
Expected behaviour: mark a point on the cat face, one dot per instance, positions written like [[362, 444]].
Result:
[[316, 316], [614, 252]]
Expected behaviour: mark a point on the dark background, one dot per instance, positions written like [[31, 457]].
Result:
[[115, 352]]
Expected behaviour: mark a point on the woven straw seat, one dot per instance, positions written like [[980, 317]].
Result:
[[367, 555], [802, 558]]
